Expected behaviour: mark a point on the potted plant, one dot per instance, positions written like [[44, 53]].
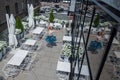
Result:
[[19, 28], [51, 17], [63, 23], [96, 21]]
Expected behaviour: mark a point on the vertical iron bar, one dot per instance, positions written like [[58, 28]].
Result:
[[70, 60], [86, 46], [113, 33], [80, 40], [91, 77], [79, 26], [73, 43], [72, 50]]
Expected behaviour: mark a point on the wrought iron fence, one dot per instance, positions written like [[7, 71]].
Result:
[[77, 31]]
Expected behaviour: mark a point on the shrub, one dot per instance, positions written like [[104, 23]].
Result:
[[51, 17], [97, 20], [19, 24]]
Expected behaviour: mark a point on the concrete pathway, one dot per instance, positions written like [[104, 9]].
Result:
[[44, 67]]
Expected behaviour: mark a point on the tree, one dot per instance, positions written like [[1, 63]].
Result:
[[97, 20], [51, 17], [19, 24]]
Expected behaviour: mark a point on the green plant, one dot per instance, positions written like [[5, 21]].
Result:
[[51, 17], [63, 22], [19, 24], [97, 20], [35, 14]]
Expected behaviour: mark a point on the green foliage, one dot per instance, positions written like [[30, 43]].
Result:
[[19, 24], [63, 22], [97, 20], [51, 17], [35, 14]]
